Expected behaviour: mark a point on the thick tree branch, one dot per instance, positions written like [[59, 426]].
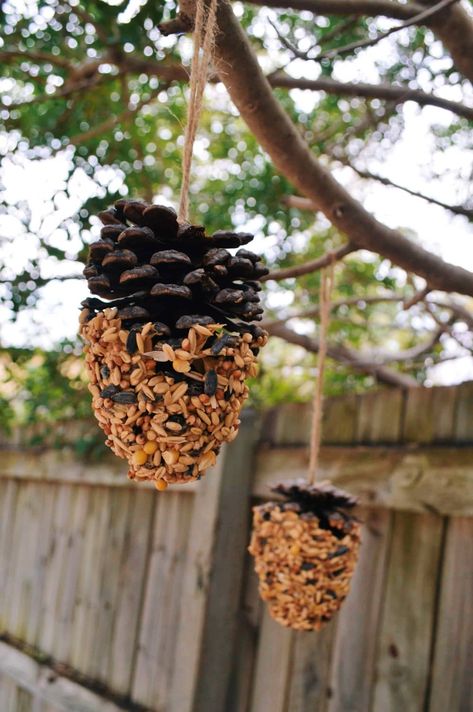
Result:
[[388, 8], [454, 26], [420, 18], [312, 266], [344, 355], [272, 127], [390, 92]]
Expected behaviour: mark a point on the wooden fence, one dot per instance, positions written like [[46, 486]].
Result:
[[114, 596]]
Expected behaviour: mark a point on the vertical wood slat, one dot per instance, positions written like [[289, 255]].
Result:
[[380, 416], [162, 600], [8, 500], [131, 584], [118, 511], [271, 684], [212, 581], [339, 424], [452, 670], [65, 602], [40, 574], [309, 687], [405, 637], [354, 656], [55, 568], [464, 410], [251, 613], [430, 414], [232, 533]]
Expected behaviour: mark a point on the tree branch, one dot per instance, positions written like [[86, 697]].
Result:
[[389, 92], [388, 8], [7, 55], [370, 42], [344, 355], [454, 25], [312, 266], [297, 201], [272, 127], [111, 122]]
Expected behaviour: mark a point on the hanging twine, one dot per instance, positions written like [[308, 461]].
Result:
[[326, 286], [204, 33]]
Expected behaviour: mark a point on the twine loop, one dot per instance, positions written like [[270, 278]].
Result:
[[204, 34], [326, 287]]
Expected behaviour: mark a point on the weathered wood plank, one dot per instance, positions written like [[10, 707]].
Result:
[[88, 581], [420, 480], [40, 569], [250, 616], [8, 509], [56, 564], [163, 599], [66, 599], [271, 684], [64, 466], [339, 425], [232, 533], [380, 416], [309, 687], [195, 589], [452, 672], [430, 414], [124, 634], [95, 559], [118, 509], [46, 685], [464, 419], [405, 638], [354, 653]]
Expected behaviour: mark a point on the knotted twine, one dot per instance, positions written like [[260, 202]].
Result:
[[326, 286], [204, 33]]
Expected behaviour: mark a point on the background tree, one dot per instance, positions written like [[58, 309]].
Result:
[[100, 86]]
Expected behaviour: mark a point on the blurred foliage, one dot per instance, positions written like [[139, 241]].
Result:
[[44, 394], [81, 82]]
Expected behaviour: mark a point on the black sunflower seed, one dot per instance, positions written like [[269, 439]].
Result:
[[210, 383], [307, 566], [223, 342], [110, 391], [131, 345], [125, 397], [105, 372]]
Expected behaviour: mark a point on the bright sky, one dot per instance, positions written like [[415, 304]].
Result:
[[451, 237]]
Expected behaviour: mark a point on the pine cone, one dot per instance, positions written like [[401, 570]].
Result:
[[305, 552], [169, 351]]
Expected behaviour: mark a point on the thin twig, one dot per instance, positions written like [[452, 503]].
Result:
[[347, 49], [312, 266]]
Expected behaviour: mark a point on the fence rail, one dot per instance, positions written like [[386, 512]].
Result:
[[115, 597]]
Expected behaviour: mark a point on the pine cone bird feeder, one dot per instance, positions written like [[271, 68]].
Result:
[[170, 348], [305, 551]]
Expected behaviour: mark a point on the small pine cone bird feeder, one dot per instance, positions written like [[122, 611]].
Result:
[[305, 550], [169, 350]]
